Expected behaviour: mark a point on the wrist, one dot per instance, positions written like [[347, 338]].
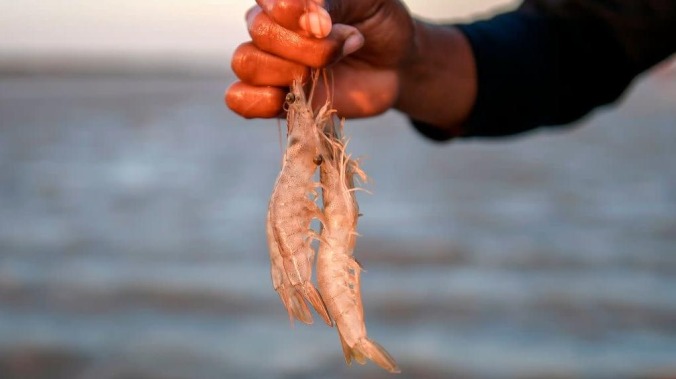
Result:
[[438, 81]]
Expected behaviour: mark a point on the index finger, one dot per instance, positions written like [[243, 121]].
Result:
[[306, 16]]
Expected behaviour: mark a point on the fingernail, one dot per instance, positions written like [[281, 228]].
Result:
[[353, 43], [317, 23]]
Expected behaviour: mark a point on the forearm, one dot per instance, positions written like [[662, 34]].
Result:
[[438, 82], [536, 69], [550, 63]]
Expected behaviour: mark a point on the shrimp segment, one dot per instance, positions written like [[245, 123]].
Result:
[[291, 211], [292, 299], [338, 273]]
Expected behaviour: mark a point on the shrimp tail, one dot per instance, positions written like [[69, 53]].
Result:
[[295, 304], [368, 348], [348, 352], [373, 351], [311, 294], [303, 291]]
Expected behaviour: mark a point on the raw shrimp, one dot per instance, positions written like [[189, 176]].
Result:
[[338, 273], [291, 211]]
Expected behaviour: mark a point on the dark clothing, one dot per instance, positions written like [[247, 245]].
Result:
[[550, 62]]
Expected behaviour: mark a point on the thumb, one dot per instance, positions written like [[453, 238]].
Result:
[[348, 37], [307, 16]]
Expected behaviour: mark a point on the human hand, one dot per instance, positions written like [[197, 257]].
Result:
[[366, 47]]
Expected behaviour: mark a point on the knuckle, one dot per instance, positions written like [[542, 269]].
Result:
[[243, 61], [264, 36], [253, 102], [260, 25]]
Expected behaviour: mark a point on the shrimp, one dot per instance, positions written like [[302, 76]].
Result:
[[338, 273], [291, 210]]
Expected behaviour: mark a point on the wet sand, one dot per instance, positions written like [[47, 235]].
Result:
[[132, 241]]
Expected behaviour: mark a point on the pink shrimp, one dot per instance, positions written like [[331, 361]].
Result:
[[338, 273], [291, 210]]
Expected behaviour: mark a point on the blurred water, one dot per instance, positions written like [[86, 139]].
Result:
[[132, 241]]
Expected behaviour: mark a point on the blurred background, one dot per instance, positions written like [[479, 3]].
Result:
[[132, 207]]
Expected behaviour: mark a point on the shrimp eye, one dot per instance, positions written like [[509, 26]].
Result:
[[290, 98], [318, 160]]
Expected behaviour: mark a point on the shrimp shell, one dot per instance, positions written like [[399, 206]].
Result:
[[338, 273], [292, 209]]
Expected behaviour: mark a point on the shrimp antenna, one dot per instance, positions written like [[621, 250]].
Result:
[[279, 139], [314, 77], [329, 89]]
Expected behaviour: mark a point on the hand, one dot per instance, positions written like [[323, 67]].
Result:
[[379, 56], [365, 47]]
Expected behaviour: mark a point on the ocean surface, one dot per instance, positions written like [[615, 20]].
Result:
[[132, 240]]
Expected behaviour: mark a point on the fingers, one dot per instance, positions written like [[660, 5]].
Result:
[[288, 37], [256, 67], [266, 77], [277, 40], [307, 16], [253, 102]]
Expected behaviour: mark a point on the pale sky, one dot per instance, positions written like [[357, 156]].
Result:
[[204, 28]]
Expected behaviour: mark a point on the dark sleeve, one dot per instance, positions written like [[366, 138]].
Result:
[[550, 62]]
